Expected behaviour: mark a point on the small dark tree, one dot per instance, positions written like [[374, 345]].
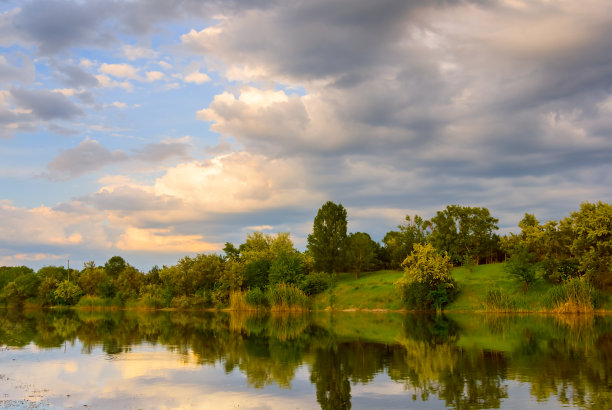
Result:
[[328, 237], [521, 264], [114, 266]]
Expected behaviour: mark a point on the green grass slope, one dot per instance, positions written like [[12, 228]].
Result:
[[375, 290], [473, 288]]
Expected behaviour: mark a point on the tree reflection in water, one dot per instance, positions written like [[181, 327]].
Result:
[[466, 363]]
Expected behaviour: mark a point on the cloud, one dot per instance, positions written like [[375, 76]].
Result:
[[75, 76], [88, 156], [381, 106], [162, 240], [24, 73], [154, 76], [125, 71], [209, 191], [20, 259], [122, 70], [46, 227], [197, 77], [91, 156], [57, 25], [118, 104], [46, 105], [136, 53], [162, 151]]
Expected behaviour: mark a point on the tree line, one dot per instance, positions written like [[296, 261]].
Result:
[[579, 245]]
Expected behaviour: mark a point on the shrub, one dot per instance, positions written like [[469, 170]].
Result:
[[67, 293], [92, 302], [316, 282], [575, 295], [522, 265], [256, 298], [181, 302], [287, 268], [220, 297], [497, 301], [284, 297], [427, 280]]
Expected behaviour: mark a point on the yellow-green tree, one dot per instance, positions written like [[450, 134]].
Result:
[[427, 280]]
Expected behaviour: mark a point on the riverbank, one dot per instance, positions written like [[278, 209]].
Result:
[[375, 291]]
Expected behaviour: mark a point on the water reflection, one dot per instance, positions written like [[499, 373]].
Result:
[[461, 362]]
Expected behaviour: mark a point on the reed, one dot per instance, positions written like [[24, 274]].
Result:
[[498, 301], [573, 296], [287, 298]]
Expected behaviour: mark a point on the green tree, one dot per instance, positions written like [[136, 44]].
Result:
[[67, 293], [192, 275], [327, 241], [91, 277], [129, 281], [10, 273], [592, 242], [360, 252], [400, 243], [231, 252], [256, 273], [233, 274], [549, 244], [522, 265], [427, 278], [287, 268], [465, 231], [114, 266]]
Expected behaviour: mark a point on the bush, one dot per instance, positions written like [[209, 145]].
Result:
[[575, 295], [497, 301], [92, 302], [315, 283], [427, 280], [67, 293], [220, 297], [284, 297], [522, 265], [181, 302], [256, 298], [287, 268]]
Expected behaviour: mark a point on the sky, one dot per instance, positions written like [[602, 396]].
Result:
[[156, 129]]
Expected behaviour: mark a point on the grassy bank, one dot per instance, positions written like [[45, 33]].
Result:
[[375, 290]]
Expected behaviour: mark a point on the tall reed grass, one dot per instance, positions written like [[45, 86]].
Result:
[[278, 298], [287, 298], [251, 300], [573, 296], [498, 301]]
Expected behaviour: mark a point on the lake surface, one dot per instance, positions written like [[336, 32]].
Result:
[[77, 359]]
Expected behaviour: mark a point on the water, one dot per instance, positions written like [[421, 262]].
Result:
[[76, 359]]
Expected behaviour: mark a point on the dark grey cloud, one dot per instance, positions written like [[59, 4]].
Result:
[[57, 25], [91, 156], [130, 199], [46, 105], [23, 72], [413, 91], [75, 77], [86, 97], [162, 151], [88, 156], [60, 130]]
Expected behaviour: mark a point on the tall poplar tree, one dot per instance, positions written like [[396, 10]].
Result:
[[328, 237]]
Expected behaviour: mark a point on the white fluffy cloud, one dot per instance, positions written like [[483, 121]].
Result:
[[197, 78]]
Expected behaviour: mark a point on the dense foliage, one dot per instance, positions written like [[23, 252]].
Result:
[[427, 278], [578, 246]]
